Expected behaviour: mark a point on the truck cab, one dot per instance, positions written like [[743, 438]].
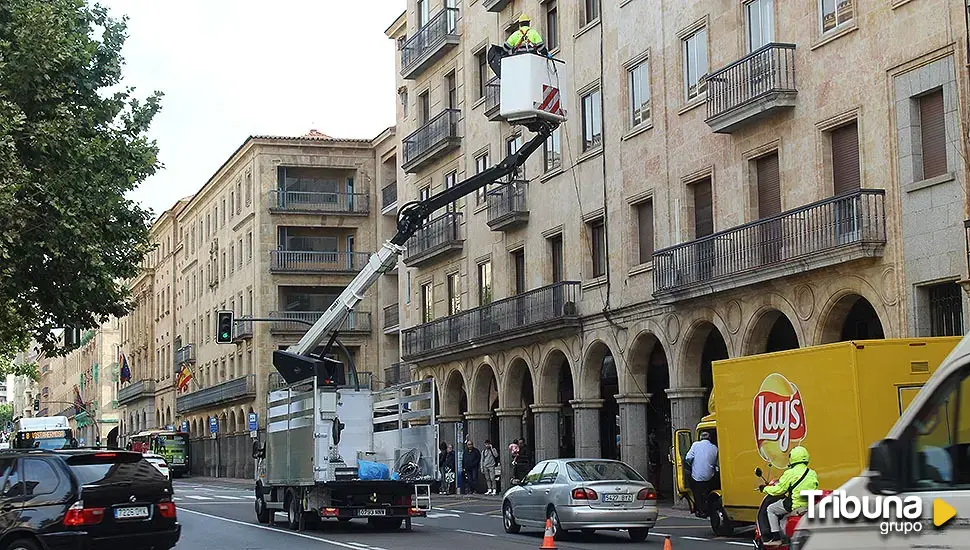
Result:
[[683, 439]]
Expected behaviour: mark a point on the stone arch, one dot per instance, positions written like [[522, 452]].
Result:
[[454, 396], [194, 428], [158, 418], [769, 330], [519, 386], [484, 389], [850, 315], [553, 371], [704, 344], [649, 373], [633, 381], [589, 377], [233, 427], [144, 420], [168, 415]]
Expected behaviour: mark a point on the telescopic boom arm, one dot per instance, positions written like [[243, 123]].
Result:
[[412, 215]]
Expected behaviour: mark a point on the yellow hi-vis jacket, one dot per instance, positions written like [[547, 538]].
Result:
[[524, 37]]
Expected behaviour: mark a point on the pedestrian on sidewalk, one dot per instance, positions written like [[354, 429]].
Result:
[[446, 464], [471, 464], [490, 466], [523, 461]]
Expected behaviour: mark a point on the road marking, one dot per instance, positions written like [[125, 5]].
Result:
[[695, 538], [273, 529], [476, 533], [433, 515], [660, 534], [738, 543], [417, 524], [196, 497], [227, 496]]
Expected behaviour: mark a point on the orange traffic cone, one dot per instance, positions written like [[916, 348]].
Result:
[[667, 545], [548, 543]]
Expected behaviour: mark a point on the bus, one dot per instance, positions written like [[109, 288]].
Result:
[[45, 432], [171, 445]]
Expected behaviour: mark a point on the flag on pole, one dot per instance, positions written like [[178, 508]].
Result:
[[185, 376], [125, 370]]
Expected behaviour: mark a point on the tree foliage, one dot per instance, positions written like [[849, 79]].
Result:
[[6, 414], [73, 143]]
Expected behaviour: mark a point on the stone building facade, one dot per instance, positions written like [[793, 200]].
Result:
[[734, 177], [276, 233]]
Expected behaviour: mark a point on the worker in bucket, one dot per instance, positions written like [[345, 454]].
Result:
[[525, 39]]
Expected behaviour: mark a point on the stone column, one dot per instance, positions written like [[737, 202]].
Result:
[[586, 421], [476, 429], [547, 431], [687, 406], [509, 428], [633, 431]]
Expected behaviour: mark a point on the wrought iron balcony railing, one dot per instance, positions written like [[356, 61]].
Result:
[[288, 321], [136, 390], [397, 373], [439, 136], [763, 80], [244, 328], [389, 195], [185, 355], [307, 261], [434, 39], [507, 206], [226, 392], [493, 98], [392, 317], [437, 236], [858, 218], [319, 201], [546, 307]]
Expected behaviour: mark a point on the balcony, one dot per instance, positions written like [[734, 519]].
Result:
[[388, 197], [432, 41], [244, 328], [756, 86], [438, 236], [507, 207], [822, 234], [544, 313], [220, 394], [356, 322], [319, 202], [136, 390], [310, 261], [392, 319], [398, 373], [433, 140], [493, 99], [186, 354], [495, 5]]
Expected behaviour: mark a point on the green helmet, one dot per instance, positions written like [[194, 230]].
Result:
[[799, 455]]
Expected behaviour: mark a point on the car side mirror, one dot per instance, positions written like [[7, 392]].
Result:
[[758, 472], [517, 482], [883, 467]]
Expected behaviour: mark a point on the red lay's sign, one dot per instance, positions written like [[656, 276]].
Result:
[[779, 419]]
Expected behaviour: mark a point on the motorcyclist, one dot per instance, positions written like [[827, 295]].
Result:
[[797, 478]]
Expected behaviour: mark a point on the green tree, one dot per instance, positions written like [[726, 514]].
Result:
[[6, 414], [73, 143]]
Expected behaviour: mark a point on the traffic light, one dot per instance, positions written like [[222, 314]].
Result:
[[37, 404], [72, 337], [224, 327]]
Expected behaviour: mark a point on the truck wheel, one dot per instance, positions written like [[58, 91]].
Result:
[[263, 513], [721, 523], [293, 512]]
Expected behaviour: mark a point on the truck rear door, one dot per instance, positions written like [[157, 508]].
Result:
[[683, 439]]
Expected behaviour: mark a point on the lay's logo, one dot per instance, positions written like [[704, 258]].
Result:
[[779, 419]]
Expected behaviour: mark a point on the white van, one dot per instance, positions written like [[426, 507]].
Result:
[[925, 457]]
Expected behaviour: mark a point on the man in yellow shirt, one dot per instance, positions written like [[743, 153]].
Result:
[[525, 38]]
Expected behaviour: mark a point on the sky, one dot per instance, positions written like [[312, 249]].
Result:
[[234, 68]]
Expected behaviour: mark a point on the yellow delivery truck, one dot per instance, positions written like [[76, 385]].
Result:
[[835, 399]]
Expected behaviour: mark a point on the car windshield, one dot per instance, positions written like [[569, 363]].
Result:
[[600, 470]]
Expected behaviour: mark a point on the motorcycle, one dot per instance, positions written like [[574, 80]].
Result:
[[789, 522]]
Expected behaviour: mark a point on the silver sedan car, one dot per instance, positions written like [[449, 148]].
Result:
[[582, 494]]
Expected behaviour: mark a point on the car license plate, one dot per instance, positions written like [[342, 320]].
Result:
[[371, 512], [617, 497], [131, 512]]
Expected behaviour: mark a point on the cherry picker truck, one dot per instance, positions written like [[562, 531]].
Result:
[[301, 467]]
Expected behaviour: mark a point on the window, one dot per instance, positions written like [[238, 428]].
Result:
[[518, 270], [427, 303], [512, 145], [238, 198], [597, 238], [645, 231], [640, 93], [232, 258], [480, 57], [452, 87], [552, 25], [224, 213], [845, 159], [555, 252], [945, 303], [703, 208], [933, 446], [424, 13], [591, 11], [481, 164], [12, 487], [484, 283], [232, 202], [695, 64], [550, 474], [402, 96], [759, 16], [249, 246], [535, 473], [769, 186], [451, 178], [592, 120], [240, 258], [424, 108], [932, 134], [249, 188], [454, 293], [424, 193], [834, 13], [552, 151]]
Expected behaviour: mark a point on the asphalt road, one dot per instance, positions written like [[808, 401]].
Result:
[[220, 517]]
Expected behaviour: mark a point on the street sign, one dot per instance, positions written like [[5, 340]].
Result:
[[213, 425], [185, 426], [253, 425]]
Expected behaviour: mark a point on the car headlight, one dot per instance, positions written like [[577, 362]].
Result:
[[799, 539]]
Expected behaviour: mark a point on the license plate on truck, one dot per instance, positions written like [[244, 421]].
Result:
[[371, 512], [617, 497], [131, 512]]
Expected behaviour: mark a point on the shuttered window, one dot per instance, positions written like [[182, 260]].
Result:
[[645, 231], [703, 208], [845, 159], [933, 134], [769, 186]]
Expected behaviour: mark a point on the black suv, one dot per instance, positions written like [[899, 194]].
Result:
[[84, 499]]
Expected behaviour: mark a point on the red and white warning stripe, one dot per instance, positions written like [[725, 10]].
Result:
[[550, 100]]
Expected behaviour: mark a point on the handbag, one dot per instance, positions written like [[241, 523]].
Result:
[[791, 490]]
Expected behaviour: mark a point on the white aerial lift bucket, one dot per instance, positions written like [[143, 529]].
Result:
[[533, 87]]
